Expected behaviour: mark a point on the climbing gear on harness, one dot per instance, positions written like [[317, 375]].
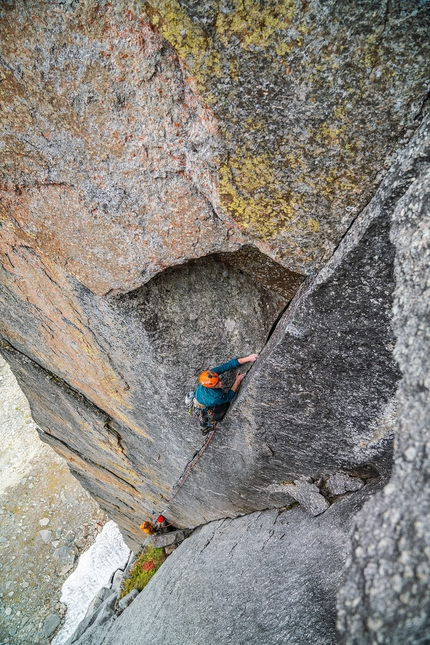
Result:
[[202, 415], [189, 398], [148, 528], [208, 378]]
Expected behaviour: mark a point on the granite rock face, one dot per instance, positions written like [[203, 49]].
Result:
[[114, 409], [172, 171], [273, 125], [267, 577], [385, 597], [96, 120], [311, 101], [321, 398]]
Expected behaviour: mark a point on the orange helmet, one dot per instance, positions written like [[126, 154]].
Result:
[[147, 527], [209, 379]]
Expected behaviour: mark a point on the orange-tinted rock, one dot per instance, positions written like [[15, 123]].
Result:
[[97, 123]]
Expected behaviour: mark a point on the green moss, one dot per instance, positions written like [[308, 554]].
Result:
[[146, 565]]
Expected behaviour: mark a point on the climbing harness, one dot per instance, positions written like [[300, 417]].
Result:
[[201, 414]]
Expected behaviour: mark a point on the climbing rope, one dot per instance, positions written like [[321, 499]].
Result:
[[187, 471]]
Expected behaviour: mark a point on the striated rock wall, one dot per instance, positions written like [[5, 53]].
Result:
[[276, 578], [122, 423]]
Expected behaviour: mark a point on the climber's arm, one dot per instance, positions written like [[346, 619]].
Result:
[[234, 364]]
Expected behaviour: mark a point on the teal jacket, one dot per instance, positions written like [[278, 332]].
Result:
[[210, 396]]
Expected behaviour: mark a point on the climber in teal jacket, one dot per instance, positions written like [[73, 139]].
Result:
[[210, 394]]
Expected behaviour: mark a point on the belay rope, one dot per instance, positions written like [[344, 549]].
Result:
[[187, 471]]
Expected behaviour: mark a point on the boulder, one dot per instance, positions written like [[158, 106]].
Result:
[[128, 599], [64, 559], [341, 483], [166, 539], [45, 536], [307, 494], [51, 624], [98, 599]]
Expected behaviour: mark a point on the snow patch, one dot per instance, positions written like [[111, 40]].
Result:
[[94, 571]]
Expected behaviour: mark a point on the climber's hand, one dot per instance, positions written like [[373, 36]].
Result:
[[248, 359]]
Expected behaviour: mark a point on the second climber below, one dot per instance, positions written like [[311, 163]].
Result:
[[210, 396]]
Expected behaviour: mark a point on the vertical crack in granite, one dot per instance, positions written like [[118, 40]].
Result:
[[321, 390]]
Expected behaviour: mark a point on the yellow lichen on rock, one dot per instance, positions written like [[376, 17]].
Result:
[[305, 128]]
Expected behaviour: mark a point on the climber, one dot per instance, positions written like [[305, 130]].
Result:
[[148, 528], [162, 525], [209, 397]]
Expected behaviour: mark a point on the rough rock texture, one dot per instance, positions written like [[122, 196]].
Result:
[[92, 629], [107, 151], [266, 577], [307, 494], [341, 483], [96, 123], [280, 121], [114, 407], [386, 597], [311, 100], [320, 398], [327, 372]]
